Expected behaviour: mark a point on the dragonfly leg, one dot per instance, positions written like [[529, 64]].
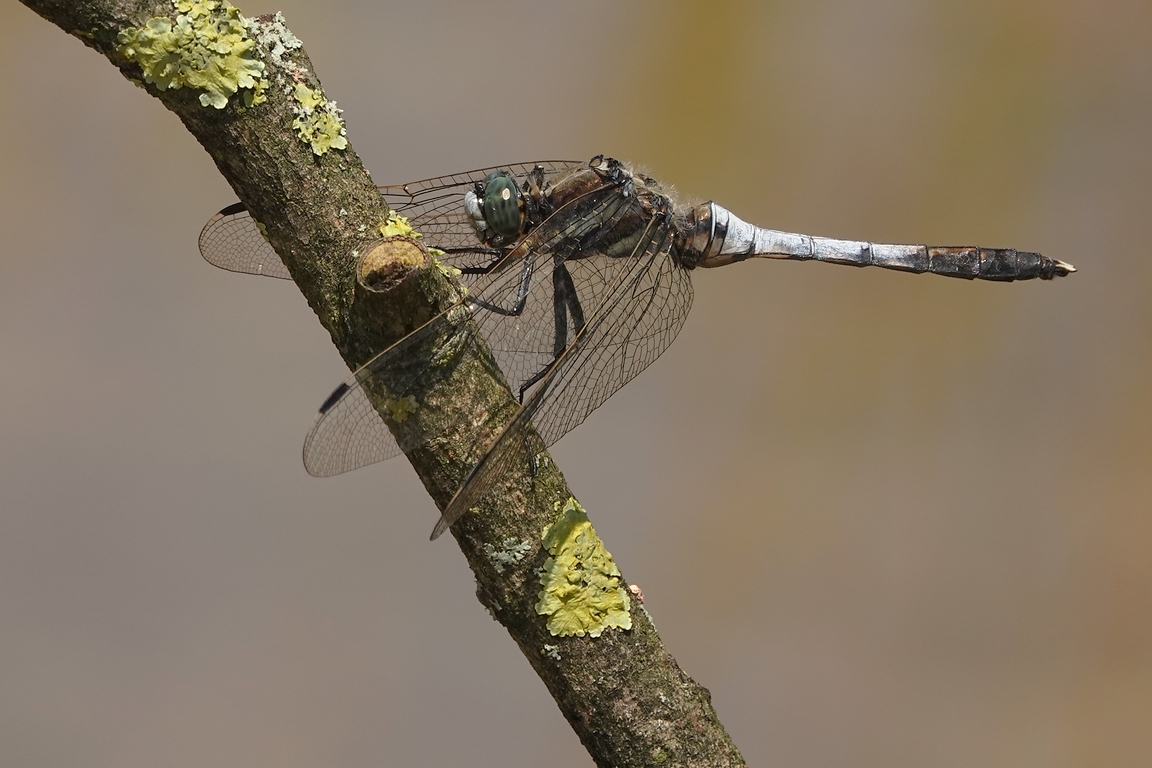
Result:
[[565, 304], [497, 256], [527, 385], [521, 293], [566, 299]]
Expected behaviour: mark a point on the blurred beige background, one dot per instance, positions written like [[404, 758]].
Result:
[[889, 520]]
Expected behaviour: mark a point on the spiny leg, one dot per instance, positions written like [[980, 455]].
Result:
[[521, 292], [565, 303]]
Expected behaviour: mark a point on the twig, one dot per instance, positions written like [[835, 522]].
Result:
[[622, 692]]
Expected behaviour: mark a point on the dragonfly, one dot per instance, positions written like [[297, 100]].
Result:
[[577, 277]]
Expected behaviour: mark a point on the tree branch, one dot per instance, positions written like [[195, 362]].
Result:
[[622, 692]]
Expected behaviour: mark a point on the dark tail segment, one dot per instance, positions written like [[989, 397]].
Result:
[[1004, 264]]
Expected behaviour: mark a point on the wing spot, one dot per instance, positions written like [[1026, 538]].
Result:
[[332, 398]]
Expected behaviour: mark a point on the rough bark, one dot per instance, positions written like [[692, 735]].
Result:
[[622, 692]]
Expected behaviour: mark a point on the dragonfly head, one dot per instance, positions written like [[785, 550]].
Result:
[[494, 208]]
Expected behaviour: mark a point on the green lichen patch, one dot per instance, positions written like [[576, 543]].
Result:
[[397, 225], [318, 121], [207, 47], [445, 269], [582, 594], [511, 552], [400, 408]]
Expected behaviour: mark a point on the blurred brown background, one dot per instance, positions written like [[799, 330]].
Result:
[[889, 520]]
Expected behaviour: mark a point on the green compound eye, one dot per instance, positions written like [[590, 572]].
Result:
[[501, 204]]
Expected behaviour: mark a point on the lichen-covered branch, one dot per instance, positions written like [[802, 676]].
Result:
[[246, 90]]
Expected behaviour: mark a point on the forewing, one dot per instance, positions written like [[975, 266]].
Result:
[[642, 312], [232, 240], [348, 432]]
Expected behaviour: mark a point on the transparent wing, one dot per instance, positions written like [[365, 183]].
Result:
[[644, 306], [232, 240], [348, 432]]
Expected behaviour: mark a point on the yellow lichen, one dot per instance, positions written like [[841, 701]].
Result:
[[317, 121], [397, 225], [582, 591], [306, 96], [446, 269], [207, 47]]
